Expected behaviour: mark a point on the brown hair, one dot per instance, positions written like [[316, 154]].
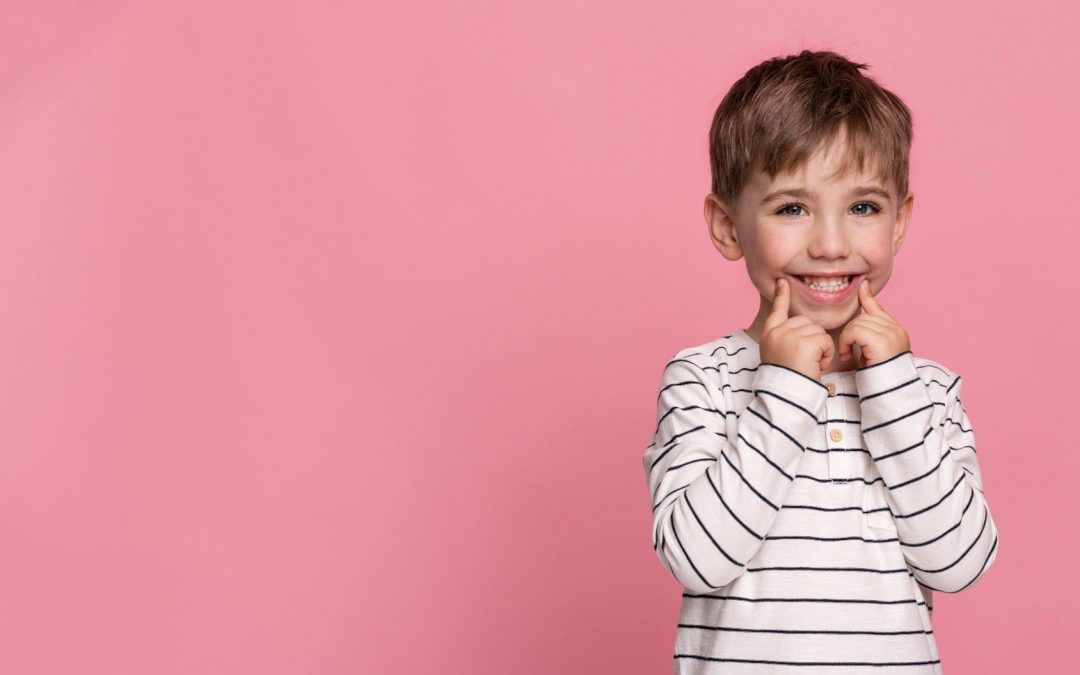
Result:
[[784, 109]]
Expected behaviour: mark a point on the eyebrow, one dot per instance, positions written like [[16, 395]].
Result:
[[799, 192]]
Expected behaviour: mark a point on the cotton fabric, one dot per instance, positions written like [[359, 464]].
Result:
[[810, 522]]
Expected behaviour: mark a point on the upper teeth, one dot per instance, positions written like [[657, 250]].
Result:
[[826, 283]]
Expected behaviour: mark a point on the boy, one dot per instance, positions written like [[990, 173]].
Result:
[[812, 480]]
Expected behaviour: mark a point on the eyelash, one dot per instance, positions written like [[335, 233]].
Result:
[[875, 207]]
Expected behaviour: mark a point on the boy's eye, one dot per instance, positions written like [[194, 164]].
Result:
[[875, 208], [871, 209]]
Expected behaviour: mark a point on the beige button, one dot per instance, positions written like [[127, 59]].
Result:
[[836, 434], [831, 387]]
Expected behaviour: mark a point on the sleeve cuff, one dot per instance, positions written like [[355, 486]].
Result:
[[892, 372], [799, 388]]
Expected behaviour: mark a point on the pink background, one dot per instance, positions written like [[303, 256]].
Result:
[[332, 335]]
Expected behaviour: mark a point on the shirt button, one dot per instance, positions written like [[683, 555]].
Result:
[[832, 388], [836, 434]]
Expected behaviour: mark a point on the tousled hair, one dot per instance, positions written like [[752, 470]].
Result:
[[786, 108]]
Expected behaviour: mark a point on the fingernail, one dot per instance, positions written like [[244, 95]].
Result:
[[865, 282], [779, 283]]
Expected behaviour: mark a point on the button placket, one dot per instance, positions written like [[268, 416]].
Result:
[[835, 462], [833, 434], [843, 464]]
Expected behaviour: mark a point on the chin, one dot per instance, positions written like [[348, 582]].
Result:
[[831, 320]]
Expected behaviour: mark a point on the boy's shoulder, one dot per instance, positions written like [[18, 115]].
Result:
[[940, 380], [931, 369], [716, 363], [710, 354]]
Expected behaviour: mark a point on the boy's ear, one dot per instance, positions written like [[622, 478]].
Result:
[[720, 219], [903, 215]]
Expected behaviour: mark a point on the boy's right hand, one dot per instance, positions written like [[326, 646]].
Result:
[[796, 342]]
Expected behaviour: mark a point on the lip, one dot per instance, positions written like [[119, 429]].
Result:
[[829, 297]]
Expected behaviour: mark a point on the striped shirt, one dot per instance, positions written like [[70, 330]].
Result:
[[809, 522]]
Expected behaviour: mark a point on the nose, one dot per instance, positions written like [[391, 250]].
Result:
[[828, 238]]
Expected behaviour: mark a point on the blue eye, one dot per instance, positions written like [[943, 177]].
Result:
[[874, 209]]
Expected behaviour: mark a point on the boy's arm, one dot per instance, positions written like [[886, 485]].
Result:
[[714, 498], [932, 477]]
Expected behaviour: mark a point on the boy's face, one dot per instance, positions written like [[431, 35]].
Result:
[[821, 225]]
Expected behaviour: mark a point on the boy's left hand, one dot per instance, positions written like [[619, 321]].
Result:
[[878, 335]]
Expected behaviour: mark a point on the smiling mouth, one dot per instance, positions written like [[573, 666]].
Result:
[[826, 284], [838, 291]]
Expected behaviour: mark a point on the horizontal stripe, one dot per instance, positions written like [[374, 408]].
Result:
[[901, 570], [903, 601], [811, 663], [805, 632]]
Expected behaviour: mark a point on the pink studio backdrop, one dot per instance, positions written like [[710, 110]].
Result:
[[332, 331]]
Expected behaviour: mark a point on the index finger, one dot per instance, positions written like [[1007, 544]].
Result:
[[781, 301], [869, 302]]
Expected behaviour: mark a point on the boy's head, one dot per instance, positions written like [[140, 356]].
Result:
[[819, 130]]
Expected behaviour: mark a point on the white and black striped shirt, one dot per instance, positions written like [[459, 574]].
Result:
[[809, 522]]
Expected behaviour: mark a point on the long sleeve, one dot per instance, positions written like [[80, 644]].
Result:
[[715, 497], [924, 448]]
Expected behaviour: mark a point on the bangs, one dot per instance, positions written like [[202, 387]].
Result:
[[860, 152]]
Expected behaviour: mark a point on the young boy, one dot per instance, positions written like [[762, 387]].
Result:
[[812, 480]]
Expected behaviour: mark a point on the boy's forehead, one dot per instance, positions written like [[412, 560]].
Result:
[[819, 174], [832, 163]]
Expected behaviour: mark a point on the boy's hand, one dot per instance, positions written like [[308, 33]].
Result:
[[878, 335], [796, 342]]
